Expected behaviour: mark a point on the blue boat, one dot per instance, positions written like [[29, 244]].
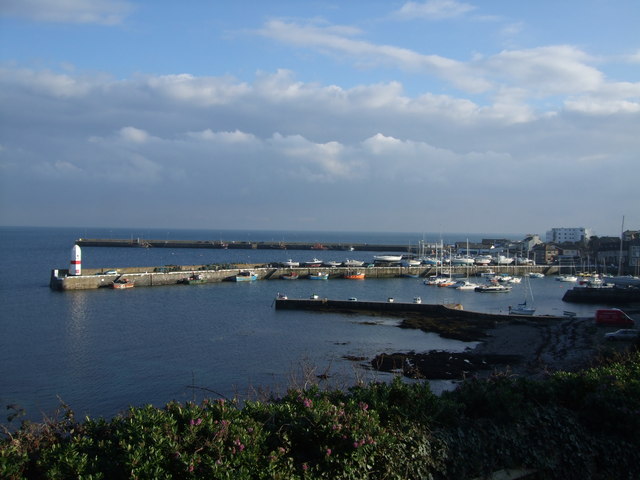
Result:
[[246, 276], [319, 276]]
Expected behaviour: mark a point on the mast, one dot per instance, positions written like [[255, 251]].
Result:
[[620, 255]]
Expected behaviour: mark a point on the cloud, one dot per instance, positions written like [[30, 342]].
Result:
[[434, 9], [279, 144], [103, 12], [329, 39]]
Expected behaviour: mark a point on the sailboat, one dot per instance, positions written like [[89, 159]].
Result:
[[523, 308]]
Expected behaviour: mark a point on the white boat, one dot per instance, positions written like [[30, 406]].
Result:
[[417, 300], [464, 285], [515, 280], [502, 260], [462, 261], [312, 263], [387, 258], [352, 263], [331, 263], [522, 309], [535, 275], [567, 278], [409, 262], [290, 264], [482, 260]]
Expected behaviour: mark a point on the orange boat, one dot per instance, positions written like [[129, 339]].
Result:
[[120, 284], [354, 276]]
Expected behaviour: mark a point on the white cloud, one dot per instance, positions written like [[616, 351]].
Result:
[[434, 9], [104, 12], [134, 135], [548, 70], [326, 39]]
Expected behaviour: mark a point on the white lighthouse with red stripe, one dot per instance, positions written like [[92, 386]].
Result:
[[75, 268]]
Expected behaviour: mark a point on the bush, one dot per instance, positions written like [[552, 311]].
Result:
[[572, 425]]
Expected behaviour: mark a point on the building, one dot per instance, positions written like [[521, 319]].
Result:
[[544, 253], [568, 235]]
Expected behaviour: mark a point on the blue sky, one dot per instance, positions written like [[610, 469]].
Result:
[[444, 115]]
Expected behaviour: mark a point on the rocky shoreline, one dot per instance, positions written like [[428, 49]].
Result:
[[524, 347]]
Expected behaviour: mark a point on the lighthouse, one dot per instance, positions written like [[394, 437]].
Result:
[[75, 268]]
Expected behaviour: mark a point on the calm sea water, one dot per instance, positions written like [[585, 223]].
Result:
[[101, 351]]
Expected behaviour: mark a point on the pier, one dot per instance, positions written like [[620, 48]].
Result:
[[93, 278], [450, 312]]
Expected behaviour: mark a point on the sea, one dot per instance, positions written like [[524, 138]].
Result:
[[102, 351]]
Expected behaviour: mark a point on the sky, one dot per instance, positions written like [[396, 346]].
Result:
[[361, 115]]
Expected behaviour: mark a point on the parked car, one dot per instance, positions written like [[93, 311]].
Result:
[[623, 334]]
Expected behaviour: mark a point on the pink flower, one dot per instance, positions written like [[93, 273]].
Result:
[[328, 452], [307, 403], [363, 406], [305, 467]]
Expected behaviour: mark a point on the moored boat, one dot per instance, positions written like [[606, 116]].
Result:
[[354, 275], [122, 284], [246, 276], [497, 288], [289, 276], [319, 276], [331, 264], [522, 309], [194, 279]]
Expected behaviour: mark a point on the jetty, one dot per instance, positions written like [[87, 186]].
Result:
[[443, 311], [92, 278]]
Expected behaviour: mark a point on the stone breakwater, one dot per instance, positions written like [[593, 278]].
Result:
[[175, 274]]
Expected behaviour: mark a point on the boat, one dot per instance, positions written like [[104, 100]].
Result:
[[281, 296], [194, 279], [290, 264], [312, 263], [289, 276], [436, 280], [417, 300], [464, 285], [488, 273], [354, 275], [352, 263], [246, 276], [387, 258], [410, 262], [319, 276], [331, 264], [391, 300], [535, 275], [567, 278], [461, 261], [122, 284], [502, 260], [482, 260], [522, 309], [497, 288]]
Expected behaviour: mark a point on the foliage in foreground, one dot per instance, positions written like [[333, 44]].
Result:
[[571, 425]]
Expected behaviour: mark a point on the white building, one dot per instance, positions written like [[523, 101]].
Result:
[[561, 235]]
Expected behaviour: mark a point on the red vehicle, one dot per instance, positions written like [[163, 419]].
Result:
[[613, 316]]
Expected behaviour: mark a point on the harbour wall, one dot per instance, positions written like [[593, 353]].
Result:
[[451, 312], [174, 275]]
